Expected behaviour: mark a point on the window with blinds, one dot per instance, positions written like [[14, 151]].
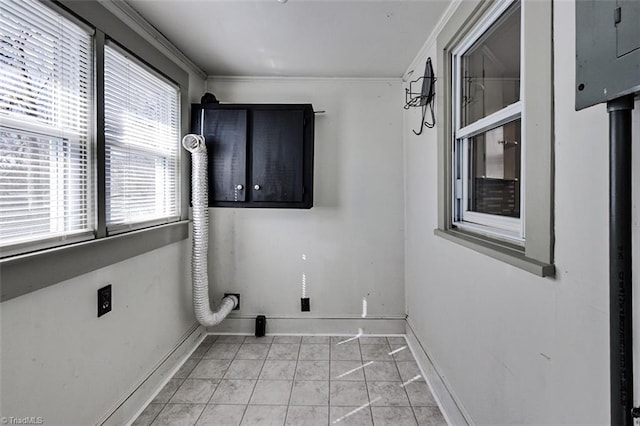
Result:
[[46, 70], [142, 113]]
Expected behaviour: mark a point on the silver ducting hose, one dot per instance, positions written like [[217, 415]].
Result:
[[195, 144]]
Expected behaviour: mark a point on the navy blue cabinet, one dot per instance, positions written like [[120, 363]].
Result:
[[260, 155]]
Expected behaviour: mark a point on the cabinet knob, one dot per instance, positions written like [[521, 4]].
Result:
[[239, 187], [256, 187]]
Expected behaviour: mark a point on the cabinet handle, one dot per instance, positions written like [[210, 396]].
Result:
[[256, 187], [239, 187]]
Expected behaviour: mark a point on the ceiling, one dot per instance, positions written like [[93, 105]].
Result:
[[296, 38]]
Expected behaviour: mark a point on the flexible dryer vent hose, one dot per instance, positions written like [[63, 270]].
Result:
[[200, 238]]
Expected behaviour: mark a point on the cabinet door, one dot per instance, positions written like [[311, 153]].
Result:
[[277, 158], [226, 135]]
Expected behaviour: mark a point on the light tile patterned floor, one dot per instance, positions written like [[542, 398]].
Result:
[[296, 380]]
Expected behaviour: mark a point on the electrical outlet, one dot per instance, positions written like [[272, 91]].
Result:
[[104, 300], [305, 305], [237, 295]]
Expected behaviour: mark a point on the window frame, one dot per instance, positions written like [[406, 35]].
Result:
[[494, 226], [535, 252], [24, 273], [117, 228]]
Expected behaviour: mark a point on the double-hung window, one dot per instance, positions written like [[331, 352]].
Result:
[[46, 100], [495, 134], [48, 174], [487, 111], [89, 143]]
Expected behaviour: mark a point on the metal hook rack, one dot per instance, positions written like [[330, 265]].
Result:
[[424, 98]]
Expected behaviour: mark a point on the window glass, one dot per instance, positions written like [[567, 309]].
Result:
[[494, 171], [491, 69], [45, 115]]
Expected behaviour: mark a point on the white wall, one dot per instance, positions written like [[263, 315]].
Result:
[[515, 348], [59, 361], [352, 237]]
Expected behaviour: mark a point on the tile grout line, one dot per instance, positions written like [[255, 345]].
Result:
[[216, 387], [395, 362], [246, 407], [329, 385], [295, 373], [156, 416], [164, 405], [366, 382], [220, 381]]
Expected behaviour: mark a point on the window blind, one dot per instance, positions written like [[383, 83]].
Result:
[[45, 118], [142, 143]]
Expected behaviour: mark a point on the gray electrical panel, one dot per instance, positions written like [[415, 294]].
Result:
[[607, 50]]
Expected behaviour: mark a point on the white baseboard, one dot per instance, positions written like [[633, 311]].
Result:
[[451, 408], [307, 325], [132, 405]]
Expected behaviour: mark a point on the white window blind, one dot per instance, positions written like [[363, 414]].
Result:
[[142, 144], [46, 91]]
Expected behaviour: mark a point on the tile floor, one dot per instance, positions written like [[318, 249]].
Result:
[[296, 380]]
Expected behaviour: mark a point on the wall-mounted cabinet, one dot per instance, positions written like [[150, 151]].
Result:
[[260, 155]]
